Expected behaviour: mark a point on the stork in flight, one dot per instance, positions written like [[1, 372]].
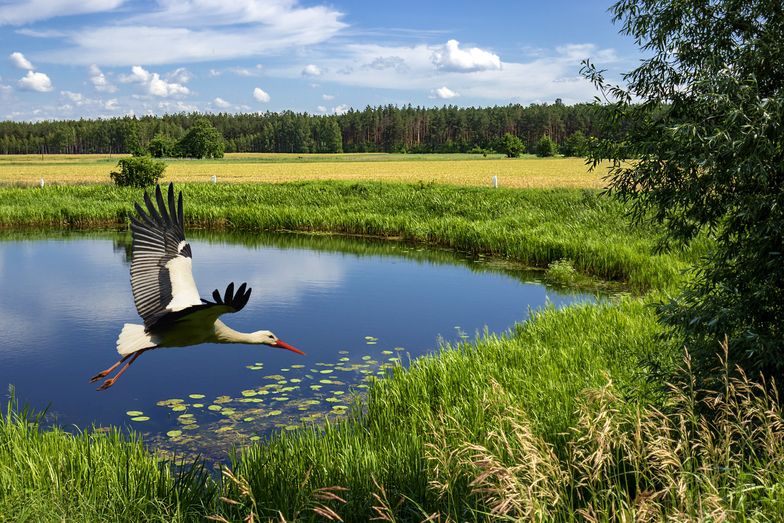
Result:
[[166, 296]]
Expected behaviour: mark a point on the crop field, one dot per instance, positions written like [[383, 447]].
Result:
[[455, 169]]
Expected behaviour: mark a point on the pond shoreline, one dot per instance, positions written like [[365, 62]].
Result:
[[445, 401]]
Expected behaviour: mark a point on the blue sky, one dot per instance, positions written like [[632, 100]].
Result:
[[101, 58]]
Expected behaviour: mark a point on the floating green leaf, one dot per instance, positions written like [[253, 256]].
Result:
[[214, 407], [179, 408], [198, 405], [248, 419], [196, 396], [275, 413], [141, 418], [248, 393], [134, 413], [174, 433]]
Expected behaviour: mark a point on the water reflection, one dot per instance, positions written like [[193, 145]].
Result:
[[358, 308]]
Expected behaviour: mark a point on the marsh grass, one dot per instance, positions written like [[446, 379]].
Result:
[[53, 475], [532, 227]]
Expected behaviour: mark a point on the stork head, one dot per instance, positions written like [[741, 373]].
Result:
[[268, 338]]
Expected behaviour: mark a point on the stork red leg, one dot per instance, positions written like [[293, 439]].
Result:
[[106, 372], [108, 383]]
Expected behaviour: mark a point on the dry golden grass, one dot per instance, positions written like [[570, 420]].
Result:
[[277, 168]]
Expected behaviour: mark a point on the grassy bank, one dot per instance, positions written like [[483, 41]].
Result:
[[533, 227], [555, 421], [564, 418]]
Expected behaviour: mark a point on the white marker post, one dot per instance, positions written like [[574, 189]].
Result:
[[494, 181], [41, 183], [214, 179]]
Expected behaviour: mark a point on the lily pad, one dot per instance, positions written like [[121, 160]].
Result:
[[179, 408], [214, 407], [198, 405], [134, 413], [248, 393], [254, 367], [140, 418], [275, 413], [174, 433], [196, 396]]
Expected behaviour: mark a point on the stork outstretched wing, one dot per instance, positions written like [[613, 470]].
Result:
[[161, 276]]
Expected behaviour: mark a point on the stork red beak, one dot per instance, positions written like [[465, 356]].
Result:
[[283, 345]]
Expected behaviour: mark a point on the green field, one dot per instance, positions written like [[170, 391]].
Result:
[[565, 418]]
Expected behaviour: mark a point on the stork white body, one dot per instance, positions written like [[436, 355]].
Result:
[[166, 295]]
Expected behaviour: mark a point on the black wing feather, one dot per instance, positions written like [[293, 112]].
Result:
[[158, 237]]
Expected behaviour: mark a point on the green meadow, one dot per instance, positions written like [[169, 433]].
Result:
[[576, 414]]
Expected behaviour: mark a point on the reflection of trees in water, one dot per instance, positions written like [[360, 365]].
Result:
[[122, 242], [357, 246]]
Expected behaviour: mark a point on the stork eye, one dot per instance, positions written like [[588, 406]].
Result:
[[271, 337]]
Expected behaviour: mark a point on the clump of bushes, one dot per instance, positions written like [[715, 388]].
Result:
[[138, 171], [561, 272]]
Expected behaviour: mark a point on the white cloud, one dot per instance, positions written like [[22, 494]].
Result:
[[74, 97], [180, 75], [35, 81], [16, 12], [327, 97], [153, 83], [177, 107], [99, 81], [451, 58], [111, 105], [311, 70], [321, 109], [201, 30], [340, 109], [553, 74], [20, 61], [221, 103], [261, 95], [444, 93]]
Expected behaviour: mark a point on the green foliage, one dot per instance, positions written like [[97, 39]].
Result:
[[162, 146], [138, 171], [561, 272], [575, 145], [511, 146], [709, 136], [201, 141], [53, 475], [546, 147]]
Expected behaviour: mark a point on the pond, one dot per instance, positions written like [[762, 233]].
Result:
[[356, 307]]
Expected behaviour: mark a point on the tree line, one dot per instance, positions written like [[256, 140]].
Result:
[[389, 128]]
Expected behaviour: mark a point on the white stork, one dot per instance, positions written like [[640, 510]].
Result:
[[166, 296]]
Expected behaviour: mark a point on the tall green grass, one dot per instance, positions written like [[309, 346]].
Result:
[[53, 475], [533, 227], [541, 367]]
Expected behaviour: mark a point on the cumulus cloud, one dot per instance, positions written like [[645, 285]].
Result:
[[181, 31], [20, 61], [327, 97], [180, 75], [451, 58], [321, 109], [261, 95], [99, 81], [444, 93], [311, 70], [36, 81], [153, 83], [72, 96], [340, 109], [221, 103], [16, 12]]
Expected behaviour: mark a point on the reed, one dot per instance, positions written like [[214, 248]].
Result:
[[98, 475]]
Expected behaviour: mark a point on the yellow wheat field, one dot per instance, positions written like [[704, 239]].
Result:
[[275, 168]]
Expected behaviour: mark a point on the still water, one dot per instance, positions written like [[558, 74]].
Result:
[[357, 308]]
